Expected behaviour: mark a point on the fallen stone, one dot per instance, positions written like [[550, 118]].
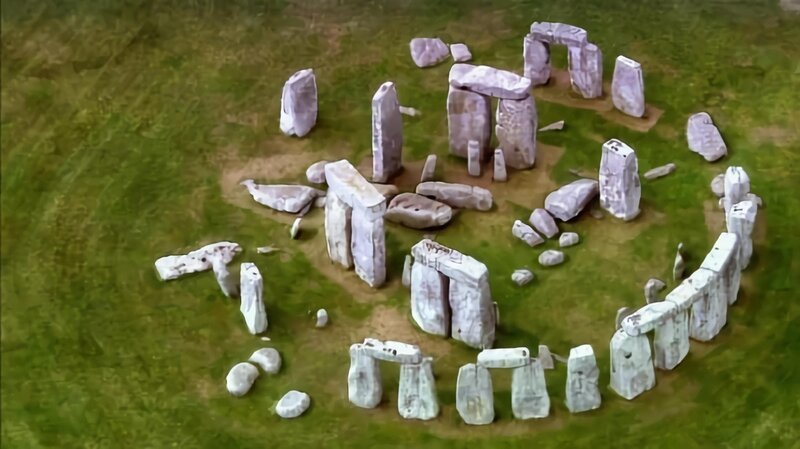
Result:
[[555, 126], [526, 233], [516, 131], [737, 185], [387, 134], [651, 289], [704, 137], [490, 81], [460, 52], [569, 200], [741, 220], [252, 305], [474, 395], [723, 260], [429, 169], [322, 318], [240, 379], [409, 111], [364, 387], [568, 239], [718, 185], [545, 357], [315, 173], [473, 158], [659, 172], [294, 232], [536, 56], [504, 357], [457, 195], [521, 277], [632, 371], [417, 211], [620, 189], [543, 222], [428, 52], [407, 263], [622, 313], [627, 87], [267, 249], [284, 198], [227, 282], [293, 404], [500, 173], [416, 394], [173, 267], [671, 340], [529, 398], [559, 33], [679, 265], [392, 351], [299, 104], [269, 359], [582, 377], [469, 117]]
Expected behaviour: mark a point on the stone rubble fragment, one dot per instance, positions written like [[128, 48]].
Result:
[[526, 233], [252, 305], [622, 313], [499, 173], [660, 171], [536, 56], [516, 131], [627, 87], [569, 200], [529, 398], [741, 220], [269, 359], [241, 378], [416, 395], [294, 232], [267, 249], [315, 173], [406, 278], [568, 239], [364, 387], [322, 318], [490, 81], [737, 186], [293, 404], [504, 357], [551, 258], [281, 197], [299, 104], [474, 158], [545, 357], [429, 169], [651, 289], [428, 52], [555, 126], [474, 395], [704, 137], [457, 195], [175, 266], [632, 371], [387, 133], [679, 265], [543, 222], [469, 117], [718, 185], [409, 111], [417, 211], [582, 392], [460, 52], [521, 277], [620, 189]]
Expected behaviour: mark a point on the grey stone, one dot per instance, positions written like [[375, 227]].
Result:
[[586, 70], [622, 313], [294, 232], [704, 137], [536, 56], [741, 220], [319, 202], [175, 266], [632, 371], [545, 357], [723, 259], [526, 233], [568, 239], [368, 246], [364, 387], [651, 289], [569, 200], [582, 377], [416, 394], [504, 357], [315, 173], [474, 395], [660, 171], [240, 379], [407, 264], [679, 265], [671, 340], [521, 277], [460, 52], [267, 249], [559, 33], [718, 185], [269, 359], [429, 300], [417, 211], [299, 104], [457, 195], [427, 52], [648, 317], [293, 404], [543, 222], [516, 131], [737, 186], [627, 87], [387, 133], [469, 117], [429, 169], [322, 318], [551, 258], [392, 351], [490, 81], [555, 126], [500, 173], [338, 219], [529, 398], [409, 111], [474, 158], [252, 305], [281, 197], [620, 189]]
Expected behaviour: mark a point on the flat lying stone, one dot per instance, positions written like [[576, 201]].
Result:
[[648, 317], [322, 318], [417, 211], [704, 137], [409, 111], [240, 379], [490, 81], [293, 404], [521, 277], [504, 357], [555, 126], [252, 303], [551, 257], [460, 52], [281, 197], [173, 267], [269, 359], [428, 52], [299, 104], [568, 239], [543, 222], [392, 351], [661, 171], [569, 200], [457, 195], [315, 173], [526, 233]]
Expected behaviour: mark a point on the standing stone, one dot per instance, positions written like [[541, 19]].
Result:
[[226, 281], [338, 219], [282, 197], [387, 133], [525, 233], [568, 239], [521, 277], [737, 186], [416, 395], [704, 137], [708, 314], [632, 371], [292, 404], [474, 395], [582, 377], [627, 87], [299, 104], [489, 81], [620, 189], [500, 174], [252, 306], [430, 308], [671, 339], [427, 52], [473, 158], [241, 378], [536, 55], [718, 185], [369, 247], [407, 263], [460, 52], [585, 64], [679, 265], [545, 357], [516, 131], [469, 117], [322, 318], [364, 387], [651, 289], [569, 200], [429, 169], [543, 222], [622, 313], [529, 398], [741, 219]]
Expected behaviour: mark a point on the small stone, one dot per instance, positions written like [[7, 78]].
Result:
[[500, 173], [316, 172], [295, 231], [409, 111], [293, 404], [545, 357], [473, 158], [460, 52], [320, 202], [659, 172], [284, 198], [704, 137], [427, 52], [322, 318], [269, 359], [429, 169], [754, 198], [551, 257], [596, 213], [240, 379], [543, 222], [521, 276], [718, 185], [556, 126], [651, 289], [526, 233], [417, 211], [266, 339], [568, 239]]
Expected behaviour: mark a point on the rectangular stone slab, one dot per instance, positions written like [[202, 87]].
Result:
[[392, 351], [338, 230], [368, 247], [517, 121], [504, 357], [430, 307], [364, 386], [474, 395], [632, 371], [451, 263], [671, 341], [741, 220], [724, 260], [352, 188], [529, 397], [620, 189], [490, 81], [469, 117], [472, 314], [586, 70], [648, 317]]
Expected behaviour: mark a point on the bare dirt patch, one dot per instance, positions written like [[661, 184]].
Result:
[[775, 135], [714, 218], [391, 323]]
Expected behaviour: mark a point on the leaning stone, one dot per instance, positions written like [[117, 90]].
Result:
[[473, 158], [490, 81], [387, 134], [474, 395], [499, 174], [252, 305], [569, 200], [322, 318], [582, 377], [632, 371], [679, 265], [460, 52], [315, 173], [620, 189], [661, 171], [536, 55], [269, 359], [551, 257], [740, 220], [429, 169], [173, 267], [504, 357], [651, 289], [516, 131], [417, 211], [737, 185], [469, 117], [718, 185], [568, 239], [555, 126], [267, 249], [364, 387], [299, 104], [457, 195], [409, 111], [543, 222], [704, 137], [240, 379], [416, 394], [521, 277], [545, 357], [227, 282], [427, 52], [284, 198], [585, 65], [622, 313], [407, 263], [529, 398], [627, 87], [526, 233], [294, 232], [293, 404]]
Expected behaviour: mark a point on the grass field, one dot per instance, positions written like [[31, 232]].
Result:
[[127, 125]]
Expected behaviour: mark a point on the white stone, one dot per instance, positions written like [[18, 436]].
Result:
[[429, 169], [427, 52], [490, 81], [529, 398], [718, 185], [322, 318], [350, 186], [545, 357], [315, 173], [469, 117], [392, 351], [460, 52], [227, 282], [559, 33], [293, 404], [282, 197], [474, 395], [550, 258], [678, 266], [684, 295], [737, 185], [473, 158], [627, 87], [555, 126], [741, 220], [651, 289], [704, 137], [252, 305], [338, 230], [516, 131], [569, 200], [536, 56], [407, 264], [368, 246], [409, 111], [504, 357], [269, 359], [299, 104], [457, 195], [430, 308], [364, 387], [387, 133], [521, 277], [294, 232], [622, 313], [648, 317], [173, 267], [671, 341], [620, 189], [388, 191], [499, 173], [526, 233], [319, 202], [723, 259], [451, 263], [417, 211], [582, 377], [473, 318], [585, 64], [568, 239], [240, 379], [543, 222], [632, 371], [660, 171], [416, 394]]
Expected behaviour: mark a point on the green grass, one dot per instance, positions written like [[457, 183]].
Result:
[[118, 119]]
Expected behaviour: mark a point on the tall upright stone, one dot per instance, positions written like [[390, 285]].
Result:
[[741, 220], [627, 87], [469, 117], [252, 305], [338, 216], [737, 186], [586, 70], [364, 387], [529, 398], [536, 56], [416, 394], [723, 259], [387, 133], [299, 104], [704, 137], [429, 169], [474, 156], [516, 131], [430, 307], [583, 393], [671, 337], [632, 371], [500, 174], [620, 189], [474, 395]]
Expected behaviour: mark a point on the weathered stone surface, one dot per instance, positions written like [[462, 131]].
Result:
[[718, 185], [678, 266], [387, 133], [671, 341], [526, 233], [457, 195], [660, 171], [651, 289], [173, 267], [704, 137], [741, 220], [429, 169], [709, 314], [569, 200], [319, 202], [428, 52], [469, 117], [364, 387], [430, 306], [315, 173], [755, 199], [568, 239], [299, 104], [293, 404], [555, 126], [460, 52], [350, 186], [737, 185], [417, 211], [504, 357], [586, 70], [226, 281], [294, 232], [451, 263], [543, 222], [338, 230], [620, 189], [529, 398], [474, 158], [632, 371], [559, 33], [500, 173], [622, 313], [473, 318], [521, 277], [269, 359], [648, 317], [582, 377], [490, 81], [627, 87], [551, 258], [545, 357], [723, 259], [240, 378], [252, 306], [474, 395], [281, 197], [368, 246], [392, 351], [684, 295], [416, 395], [407, 264], [536, 57], [322, 318], [516, 131]]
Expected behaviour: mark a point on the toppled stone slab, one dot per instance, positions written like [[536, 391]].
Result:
[[741, 220], [474, 158], [660, 171], [457, 195], [569, 200], [241, 378], [417, 211], [281, 197], [559, 33], [299, 104], [521, 277], [551, 258], [632, 371], [269, 359], [364, 387], [543, 222], [387, 133], [252, 305], [428, 52], [627, 87], [416, 395], [469, 117], [504, 357], [474, 395], [392, 351], [545, 357], [704, 137], [529, 398], [322, 318], [516, 131], [500, 174], [526, 233], [293, 404], [202, 259], [429, 169], [460, 52], [536, 55], [490, 81], [737, 185], [651, 289], [568, 239], [718, 185], [620, 189], [555, 126], [315, 173], [582, 392]]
